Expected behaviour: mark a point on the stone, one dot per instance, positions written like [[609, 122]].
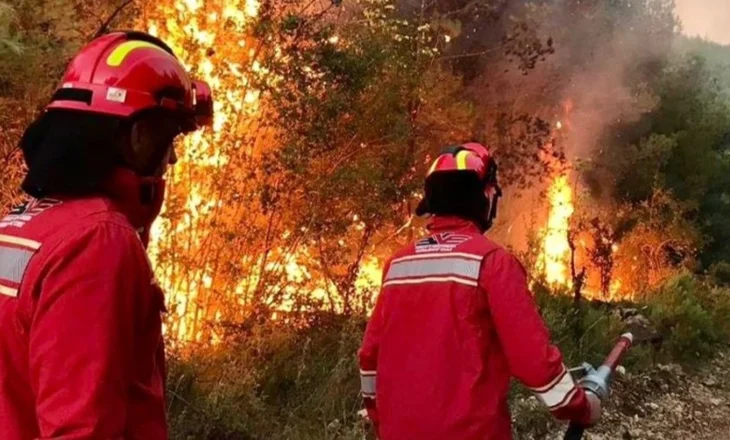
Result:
[[638, 321]]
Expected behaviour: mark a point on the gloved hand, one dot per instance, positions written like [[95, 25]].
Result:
[[371, 416], [595, 408]]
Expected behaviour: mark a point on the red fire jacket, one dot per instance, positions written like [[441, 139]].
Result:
[[453, 323], [81, 353]]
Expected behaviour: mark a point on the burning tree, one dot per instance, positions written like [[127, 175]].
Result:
[[601, 254], [277, 209]]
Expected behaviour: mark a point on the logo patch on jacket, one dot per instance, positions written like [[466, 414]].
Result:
[[22, 214], [444, 242]]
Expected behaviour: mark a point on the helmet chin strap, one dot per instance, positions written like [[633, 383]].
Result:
[[152, 197], [139, 198], [492, 210]]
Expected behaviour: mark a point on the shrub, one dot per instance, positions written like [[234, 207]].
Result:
[[584, 334], [720, 273], [692, 316], [270, 381], [299, 381]]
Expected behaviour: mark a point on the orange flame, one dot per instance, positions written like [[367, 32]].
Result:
[[214, 40], [554, 259], [191, 28], [554, 256]]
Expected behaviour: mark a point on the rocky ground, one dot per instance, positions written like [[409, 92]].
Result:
[[667, 403]]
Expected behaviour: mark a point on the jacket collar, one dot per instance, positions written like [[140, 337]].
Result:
[[449, 223], [138, 198]]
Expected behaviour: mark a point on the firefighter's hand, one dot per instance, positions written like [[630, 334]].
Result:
[[595, 407], [363, 413]]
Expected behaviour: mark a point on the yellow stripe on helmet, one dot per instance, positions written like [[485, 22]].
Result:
[[120, 53], [461, 157], [433, 167]]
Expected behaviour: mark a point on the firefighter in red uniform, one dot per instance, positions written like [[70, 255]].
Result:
[[81, 354], [455, 321]]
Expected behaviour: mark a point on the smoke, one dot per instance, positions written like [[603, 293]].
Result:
[[605, 54], [607, 63], [705, 18]]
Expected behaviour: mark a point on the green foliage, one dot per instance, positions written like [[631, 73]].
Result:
[[688, 320], [648, 158], [584, 334], [8, 19], [679, 146], [716, 54], [720, 273], [692, 316], [677, 143], [714, 211], [271, 381]]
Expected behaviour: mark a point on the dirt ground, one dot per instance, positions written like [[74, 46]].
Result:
[[670, 404], [667, 403]]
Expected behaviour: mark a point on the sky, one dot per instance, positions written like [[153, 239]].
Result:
[[706, 18]]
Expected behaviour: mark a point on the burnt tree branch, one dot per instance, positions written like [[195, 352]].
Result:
[[105, 26]]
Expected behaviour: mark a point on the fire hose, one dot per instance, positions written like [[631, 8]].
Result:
[[598, 381]]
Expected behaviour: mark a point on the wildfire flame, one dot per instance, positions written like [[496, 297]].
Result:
[[555, 254], [557, 262], [191, 28], [215, 40], [554, 258]]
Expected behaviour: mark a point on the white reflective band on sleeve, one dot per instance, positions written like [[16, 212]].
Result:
[[13, 262], [13, 293], [558, 393], [367, 383], [565, 401]]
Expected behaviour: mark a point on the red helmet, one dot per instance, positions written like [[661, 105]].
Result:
[[124, 73], [454, 162]]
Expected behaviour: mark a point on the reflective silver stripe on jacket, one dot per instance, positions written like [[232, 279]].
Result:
[[13, 263], [435, 268], [367, 383], [15, 255]]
